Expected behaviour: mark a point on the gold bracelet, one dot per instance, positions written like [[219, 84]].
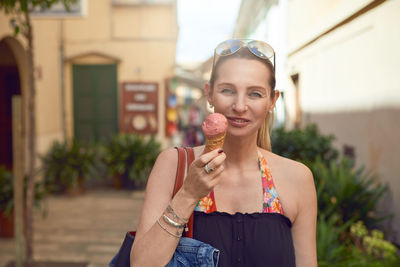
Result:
[[171, 210], [172, 222], [177, 235]]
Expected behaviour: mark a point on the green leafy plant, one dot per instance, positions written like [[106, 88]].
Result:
[[344, 190], [7, 191], [345, 194], [131, 156], [372, 242], [303, 145], [66, 165], [330, 248], [352, 245]]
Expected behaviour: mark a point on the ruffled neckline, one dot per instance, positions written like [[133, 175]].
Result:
[[252, 215]]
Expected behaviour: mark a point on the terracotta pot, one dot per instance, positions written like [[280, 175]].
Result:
[[6, 224], [76, 190], [117, 181], [122, 181]]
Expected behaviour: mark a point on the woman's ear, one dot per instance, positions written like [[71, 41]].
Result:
[[274, 99], [208, 93]]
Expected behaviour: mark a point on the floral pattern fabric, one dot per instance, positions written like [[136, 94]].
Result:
[[206, 204], [271, 202]]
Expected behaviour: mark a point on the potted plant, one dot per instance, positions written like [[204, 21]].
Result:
[[130, 158], [7, 201], [66, 166]]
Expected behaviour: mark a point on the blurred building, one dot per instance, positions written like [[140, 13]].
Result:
[[99, 70], [266, 20], [186, 107], [340, 69]]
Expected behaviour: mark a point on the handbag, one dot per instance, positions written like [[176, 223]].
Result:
[[122, 258]]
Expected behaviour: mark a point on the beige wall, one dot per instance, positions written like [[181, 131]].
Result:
[[48, 100], [140, 38], [348, 80], [308, 18], [355, 65]]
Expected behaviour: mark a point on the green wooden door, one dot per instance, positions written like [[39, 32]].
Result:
[[95, 101]]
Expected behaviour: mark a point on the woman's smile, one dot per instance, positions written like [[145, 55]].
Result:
[[238, 121]]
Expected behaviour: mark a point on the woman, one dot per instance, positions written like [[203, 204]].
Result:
[[263, 207]]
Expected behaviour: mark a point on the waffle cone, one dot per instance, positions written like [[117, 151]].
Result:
[[214, 142]]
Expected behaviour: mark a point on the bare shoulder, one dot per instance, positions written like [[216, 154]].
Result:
[[162, 176], [167, 155], [166, 162], [293, 171]]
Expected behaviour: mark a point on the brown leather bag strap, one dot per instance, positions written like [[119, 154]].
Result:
[[180, 171], [190, 158], [185, 155]]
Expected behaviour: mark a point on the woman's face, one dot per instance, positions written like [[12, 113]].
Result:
[[242, 93]]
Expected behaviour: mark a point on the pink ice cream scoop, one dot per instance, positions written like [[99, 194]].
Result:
[[214, 129]]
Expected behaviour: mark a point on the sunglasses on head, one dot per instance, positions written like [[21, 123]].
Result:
[[258, 48]]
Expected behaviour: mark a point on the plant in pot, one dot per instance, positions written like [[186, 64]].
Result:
[[66, 166], [7, 201], [130, 158]]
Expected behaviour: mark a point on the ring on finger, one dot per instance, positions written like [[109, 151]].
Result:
[[208, 169]]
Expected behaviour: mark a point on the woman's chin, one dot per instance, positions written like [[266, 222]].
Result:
[[241, 132]]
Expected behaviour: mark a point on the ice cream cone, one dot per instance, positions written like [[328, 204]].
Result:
[[214, 142], [214, 129]]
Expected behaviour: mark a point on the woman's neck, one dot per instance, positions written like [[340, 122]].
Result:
[[240, 152]]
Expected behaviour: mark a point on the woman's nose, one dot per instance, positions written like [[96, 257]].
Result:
[[239, 105]]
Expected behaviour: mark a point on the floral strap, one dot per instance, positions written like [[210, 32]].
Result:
[[271, 203]]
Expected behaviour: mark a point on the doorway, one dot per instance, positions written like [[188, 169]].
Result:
[[95, 102], [9, 86]]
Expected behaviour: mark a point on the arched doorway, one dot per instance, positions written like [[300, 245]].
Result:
[[9, 86]]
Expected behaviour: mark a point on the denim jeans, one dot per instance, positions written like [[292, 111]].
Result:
[[190, 253]]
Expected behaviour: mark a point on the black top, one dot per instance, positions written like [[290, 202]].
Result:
[[256, 239]]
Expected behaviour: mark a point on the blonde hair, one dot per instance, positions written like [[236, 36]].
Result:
[[264, 133]]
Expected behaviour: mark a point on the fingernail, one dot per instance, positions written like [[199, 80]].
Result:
[[220, 151]]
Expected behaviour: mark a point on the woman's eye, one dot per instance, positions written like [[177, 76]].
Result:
[[227, 91], [255, 94]]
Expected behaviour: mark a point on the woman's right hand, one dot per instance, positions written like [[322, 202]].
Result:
[[198, 182]]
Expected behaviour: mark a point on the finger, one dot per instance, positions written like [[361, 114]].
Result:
[[216, 176], [218, 171], [217, 161], [205, 158]]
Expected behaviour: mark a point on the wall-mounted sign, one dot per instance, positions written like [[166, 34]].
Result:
[[139, 106]]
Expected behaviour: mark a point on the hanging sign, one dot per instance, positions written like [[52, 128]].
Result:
[[139, 107]]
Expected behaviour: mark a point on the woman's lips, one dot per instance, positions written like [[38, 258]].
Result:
[[237, 121]]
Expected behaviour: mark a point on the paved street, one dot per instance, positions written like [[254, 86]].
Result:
[[86, 228]]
